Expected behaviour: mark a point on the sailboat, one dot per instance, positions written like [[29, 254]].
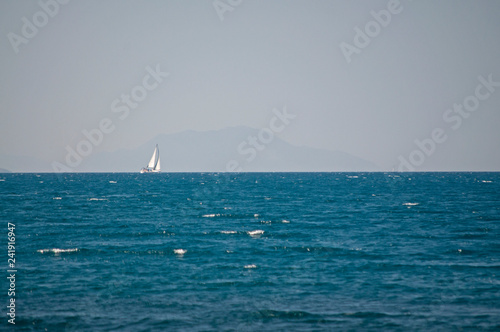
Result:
[[154, 163]]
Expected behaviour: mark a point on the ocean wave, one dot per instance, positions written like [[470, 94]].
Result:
[[212, 215], [256, 232], [278, 314], [57, 250], [365, 314], [283, 221], [229, 232], [252, 266], [141, 252], [229, 215], [180, 251]]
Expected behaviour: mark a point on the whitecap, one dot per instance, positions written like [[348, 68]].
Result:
[[180, 251], [410, 204], [285, 221], [256, 232], [252, 266], [112, 181], [229, 232], [57, 250], [487, 181], [1, 180], [56, 197], [352, 176], [212, 215], [97, 199], [256, 215]]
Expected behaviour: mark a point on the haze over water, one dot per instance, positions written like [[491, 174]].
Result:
[[367, 78]]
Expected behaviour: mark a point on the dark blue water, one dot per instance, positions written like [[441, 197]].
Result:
[[253, 252]]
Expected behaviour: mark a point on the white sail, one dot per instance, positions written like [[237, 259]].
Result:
[[152, 162], [157, 168]]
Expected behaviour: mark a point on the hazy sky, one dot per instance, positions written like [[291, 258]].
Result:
[[231, 62]]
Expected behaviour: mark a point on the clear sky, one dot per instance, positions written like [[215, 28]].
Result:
[[365, 77]]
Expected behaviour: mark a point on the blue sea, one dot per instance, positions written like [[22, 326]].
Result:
[[253, 251]]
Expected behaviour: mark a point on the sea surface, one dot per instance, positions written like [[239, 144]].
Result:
[[253, 251]]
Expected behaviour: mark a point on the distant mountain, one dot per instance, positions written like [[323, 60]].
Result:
[[22, 164], [212, 151]]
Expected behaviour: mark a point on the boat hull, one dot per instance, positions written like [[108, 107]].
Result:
[[147, 170]]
